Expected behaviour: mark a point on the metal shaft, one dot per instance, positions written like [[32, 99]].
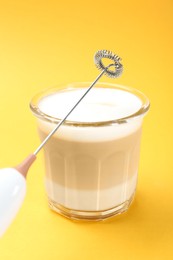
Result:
[[62, 120]]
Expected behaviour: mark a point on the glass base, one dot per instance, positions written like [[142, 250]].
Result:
[[90, 215]]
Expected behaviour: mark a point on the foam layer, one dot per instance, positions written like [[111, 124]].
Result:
[[100, 104]]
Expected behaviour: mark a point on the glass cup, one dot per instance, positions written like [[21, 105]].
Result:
[[91, 165]]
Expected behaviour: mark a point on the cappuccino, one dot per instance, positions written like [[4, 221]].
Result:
[[88, 167], [91, 161]]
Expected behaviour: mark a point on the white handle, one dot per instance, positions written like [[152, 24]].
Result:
[[12, 193]]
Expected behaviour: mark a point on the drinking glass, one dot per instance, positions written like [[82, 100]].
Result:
[[91, 167]]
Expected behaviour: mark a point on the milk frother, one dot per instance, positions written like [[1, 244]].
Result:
[[13, 180]]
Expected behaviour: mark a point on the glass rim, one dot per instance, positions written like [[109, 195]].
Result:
[[39, 114]]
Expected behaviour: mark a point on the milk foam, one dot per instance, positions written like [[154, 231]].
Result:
[[100, 104]]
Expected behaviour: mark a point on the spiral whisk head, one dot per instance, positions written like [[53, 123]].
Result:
[[113, 57]]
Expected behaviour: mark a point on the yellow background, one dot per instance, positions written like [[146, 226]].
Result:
[[45, 43]]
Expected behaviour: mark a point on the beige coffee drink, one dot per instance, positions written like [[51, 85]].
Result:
[[92, 160]]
